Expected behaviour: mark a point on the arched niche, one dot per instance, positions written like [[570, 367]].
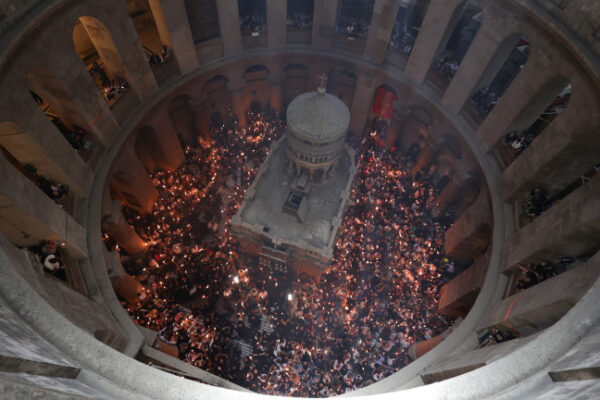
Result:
[[182, 118], [94, 45], [510, 57], [341, 82], [456, 40], [256, 87], [59, 107], [296, 81], [203, 17], [149, 150]]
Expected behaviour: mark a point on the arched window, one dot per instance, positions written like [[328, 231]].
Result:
[[94, 45], [299, 21], [544, 106], [253, 22], [352, 24], [460, 33], [510, 57], [406, 28]]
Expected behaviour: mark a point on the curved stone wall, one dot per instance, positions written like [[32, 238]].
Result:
[[206, 77]]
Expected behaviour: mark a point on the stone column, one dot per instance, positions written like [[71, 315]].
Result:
[[123, 283], [237, 102], [564, 151], [449, 193], [458, 295], [28, 216], [485, 57], [513, 102], [570, 227], [380, 32], [115, 225], [419, 349], [277, 23], [325, 13], [363, 95], [174, 29], [275, 82], [426, 155], [540, 306], [77, 82], [470, 235], [132, 181], [433, 35], [32, 139], [130, 61], [229, 20], [167, 139]]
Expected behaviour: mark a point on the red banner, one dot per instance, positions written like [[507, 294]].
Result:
[[384, 103]]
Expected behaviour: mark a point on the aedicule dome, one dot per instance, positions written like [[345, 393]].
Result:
[[318, 117]]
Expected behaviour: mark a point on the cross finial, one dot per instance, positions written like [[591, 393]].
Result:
[[323, 86]]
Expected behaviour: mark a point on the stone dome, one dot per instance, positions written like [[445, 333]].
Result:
[[318, 117]]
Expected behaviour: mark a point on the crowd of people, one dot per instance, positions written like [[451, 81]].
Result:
[[254, 23], [532, 274], [537, 202], [156, 60], [299, 20], [110, 88], [352, 28], [448, 66], [49, 255], [485, 99], [233, 315], [402, 40], [517, 141]]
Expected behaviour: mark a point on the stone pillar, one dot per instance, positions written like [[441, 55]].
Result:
[[485, 57], [115, 225], [123, 283], [470, 235], [449, 193], [168, 140], [325, 13], [433, 35], [32, 139], [571, 227], [28, 216], [130, 61], [131, 180], [277, 23], [174, 29], [513, 102], [275, 83], [458, 295], [565, 150], [419, 349], [380, 32], [229, 20], [363, 95], [237, 102], [426, 155], [540, 306]]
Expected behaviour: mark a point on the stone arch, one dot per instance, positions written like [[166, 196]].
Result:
[[22, 150], [203, 18], [182, 118], [218, 97], [541, 101], [406, 28], [94, 44], [510, 57], [341, 82], [149, 150], [58, 105], [256, 87], [450, 144], [456, 40], [295, 82]]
